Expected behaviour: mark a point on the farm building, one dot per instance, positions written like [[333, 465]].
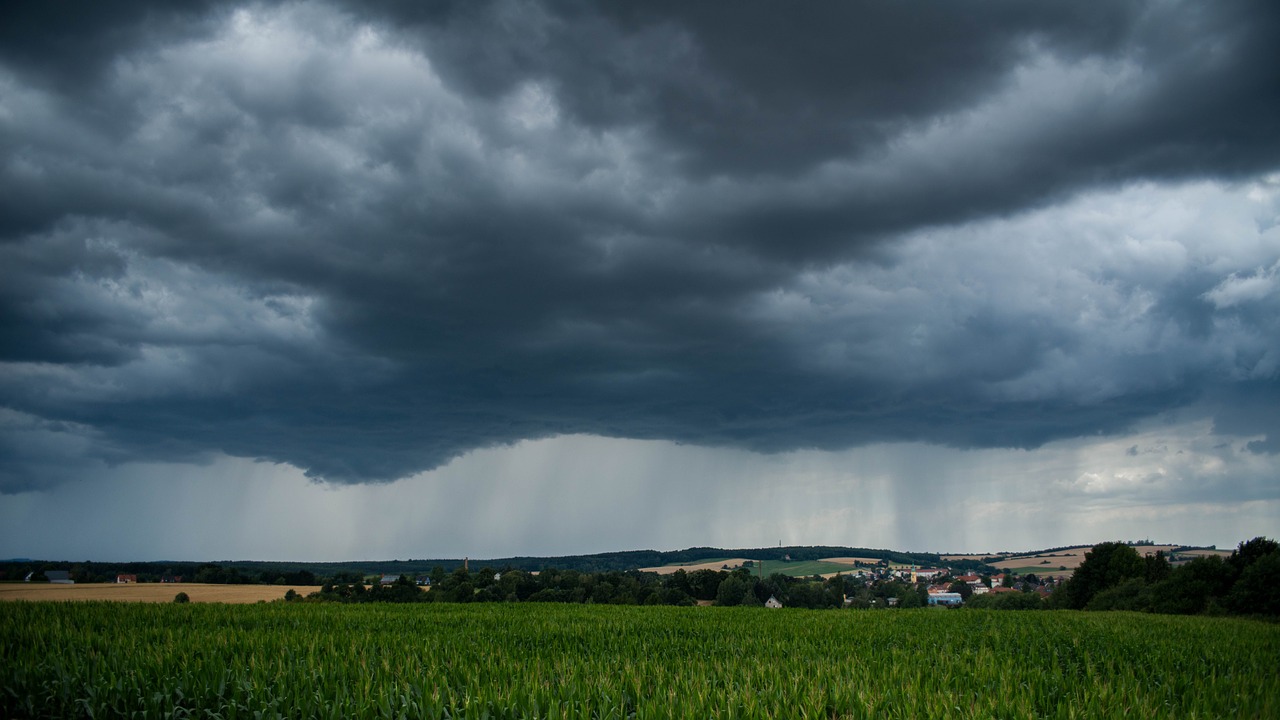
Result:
[[61, 577], [125, 579], [772, 602], [388, 579]]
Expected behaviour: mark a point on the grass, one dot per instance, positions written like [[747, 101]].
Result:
[[303, 660]]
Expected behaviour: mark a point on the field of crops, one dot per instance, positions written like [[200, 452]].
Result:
[[298, 660]]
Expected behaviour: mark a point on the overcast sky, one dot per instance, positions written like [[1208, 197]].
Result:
[[328, 280]]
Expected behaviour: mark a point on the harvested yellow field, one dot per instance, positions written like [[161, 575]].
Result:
[[1070, 558], [1224, 554], [150, 592], [713, 565]]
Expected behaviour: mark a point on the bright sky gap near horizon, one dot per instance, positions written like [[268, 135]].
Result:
[[346, 280]]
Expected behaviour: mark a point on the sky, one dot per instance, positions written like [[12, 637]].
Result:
[[389, 279]]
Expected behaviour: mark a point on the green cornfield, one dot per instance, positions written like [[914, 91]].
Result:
[[301, 660]]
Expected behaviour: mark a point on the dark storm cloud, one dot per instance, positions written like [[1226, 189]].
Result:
[[363, 239], [755, 93]]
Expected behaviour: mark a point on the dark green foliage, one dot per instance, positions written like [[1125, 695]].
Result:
[[1250, 552], [181, 598], [1257, 589], [1246, 583], [732, 590], [1132, 594], [1189, 588], [1157, 567], [704, 584], [1105, 566]]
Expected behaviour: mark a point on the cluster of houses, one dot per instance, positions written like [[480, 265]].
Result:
[[941, 594]]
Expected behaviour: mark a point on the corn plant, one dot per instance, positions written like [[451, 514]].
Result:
[[298, 660]]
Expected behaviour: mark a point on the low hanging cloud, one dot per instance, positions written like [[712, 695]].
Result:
[[364, 239]]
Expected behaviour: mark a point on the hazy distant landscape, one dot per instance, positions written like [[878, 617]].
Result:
[[802, 560]]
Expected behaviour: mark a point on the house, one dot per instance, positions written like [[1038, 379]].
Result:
[[423, 580], [930, 573], [61, 577], [772, 602], [170, 578], [946, 599], [980, 589], [971, 579], [125, 579], [1002, 590], [388, 579]]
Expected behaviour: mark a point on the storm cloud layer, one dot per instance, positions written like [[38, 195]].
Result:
[[366, 238]]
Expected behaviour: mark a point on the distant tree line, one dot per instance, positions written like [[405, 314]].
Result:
[[259, 572], [91, 572], [720, 587]]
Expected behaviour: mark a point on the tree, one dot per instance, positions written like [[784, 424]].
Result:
[[1191, 587], [1133, 594], [1250, 552], [181, 598], [705, 584], [731, 591], [1255, 591], [962, 588], [1157, 567], [1106, 565], [910, 598], [679, 580]]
